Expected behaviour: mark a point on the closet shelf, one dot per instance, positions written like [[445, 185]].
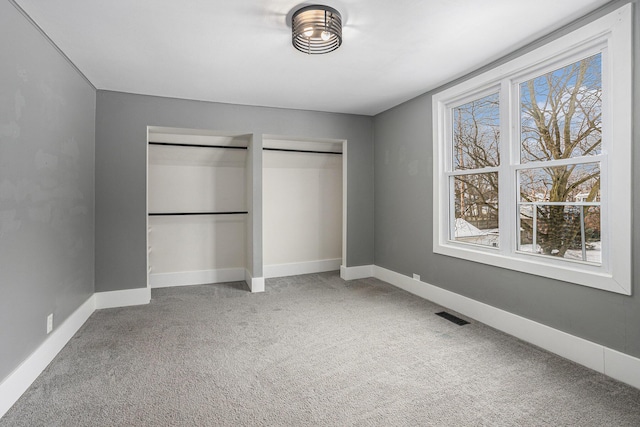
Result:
[[179, 144], [197, 213]]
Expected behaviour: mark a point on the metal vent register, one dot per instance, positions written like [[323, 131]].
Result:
[[450, 317]]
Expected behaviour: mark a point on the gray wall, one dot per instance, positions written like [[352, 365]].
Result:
[[121, 144], [403, 231], [47, 117]]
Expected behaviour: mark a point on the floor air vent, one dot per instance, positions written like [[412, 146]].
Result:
[[452, 318]]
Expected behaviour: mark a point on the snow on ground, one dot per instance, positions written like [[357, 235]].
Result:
[[466, 232], [593, 255]]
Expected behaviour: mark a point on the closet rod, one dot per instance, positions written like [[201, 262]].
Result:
[[196, 213], [179, 144], [302, 151]]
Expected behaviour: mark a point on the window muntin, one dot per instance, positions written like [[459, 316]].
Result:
[[604, 44]]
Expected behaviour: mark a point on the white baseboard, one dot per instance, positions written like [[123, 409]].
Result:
[[293, 269], [612, 363], [357, 272], [256, 284], [24, 375], [122, 298], [200, 277], [622, 367]]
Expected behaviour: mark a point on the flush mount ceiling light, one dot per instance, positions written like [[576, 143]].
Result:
[[316, 29]]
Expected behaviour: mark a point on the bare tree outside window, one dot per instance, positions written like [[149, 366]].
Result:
[[561, 119], [476, 136], [559, 205]]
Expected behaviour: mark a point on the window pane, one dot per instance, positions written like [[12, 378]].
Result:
[[569, 232], [561, 112], [560, 211], [570, 183], [476, 209], [476, 132]]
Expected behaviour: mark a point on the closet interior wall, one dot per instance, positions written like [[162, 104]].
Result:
[[197, 207]]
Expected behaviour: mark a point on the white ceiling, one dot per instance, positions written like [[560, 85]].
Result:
[[239, 51]]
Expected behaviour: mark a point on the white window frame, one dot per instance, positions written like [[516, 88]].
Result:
[[612, 36]]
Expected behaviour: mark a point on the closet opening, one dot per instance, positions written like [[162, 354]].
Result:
[[197, 207], [304, 205]]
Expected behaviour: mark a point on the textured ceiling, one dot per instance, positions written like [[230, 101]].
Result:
[[239, 51]]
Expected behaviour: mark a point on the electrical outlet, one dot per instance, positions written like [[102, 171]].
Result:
[[50, 323], [416, 277]]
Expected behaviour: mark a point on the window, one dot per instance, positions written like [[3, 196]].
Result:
[[558, 208], [474, 179], [532, 167]]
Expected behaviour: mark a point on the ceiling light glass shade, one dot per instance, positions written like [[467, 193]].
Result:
[[316, 29]]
